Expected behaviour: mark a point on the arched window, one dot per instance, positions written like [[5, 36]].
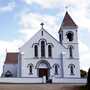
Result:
[[36, 51], [60, 36], [72, 66], [42, 49], [30, 68], [49, 51], [42, 33], [71, 51], [56, 66], [70, 35], [8, 74], [56, 70], [71, 70]]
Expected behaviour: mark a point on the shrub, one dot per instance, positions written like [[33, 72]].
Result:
[[88, 78], [83, 73]]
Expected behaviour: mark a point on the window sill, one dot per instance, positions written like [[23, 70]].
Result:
[[71, 57], [50, 57], [56, 74], [36, 57], [42, 57], [30, 73], [72, 74]]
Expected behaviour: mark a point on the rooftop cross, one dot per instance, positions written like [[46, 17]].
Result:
[[42, 24], [66, 7]]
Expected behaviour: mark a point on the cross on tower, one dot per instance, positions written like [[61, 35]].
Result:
[[42, 24], [67, 7]]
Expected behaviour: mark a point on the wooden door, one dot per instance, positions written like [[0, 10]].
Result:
[[43, 72]]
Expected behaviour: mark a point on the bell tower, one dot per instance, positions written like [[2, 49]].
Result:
[[68, 37]]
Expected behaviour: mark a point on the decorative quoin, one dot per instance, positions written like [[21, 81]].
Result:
[[44, 56]]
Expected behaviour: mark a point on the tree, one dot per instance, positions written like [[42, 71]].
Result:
[[83, 73], [88, 78]]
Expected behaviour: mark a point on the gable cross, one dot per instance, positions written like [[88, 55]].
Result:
[[42, 24]]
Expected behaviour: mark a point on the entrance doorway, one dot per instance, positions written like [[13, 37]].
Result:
[[43, 72], [43, 69]]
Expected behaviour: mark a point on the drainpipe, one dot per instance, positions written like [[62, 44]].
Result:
[[62, 66]]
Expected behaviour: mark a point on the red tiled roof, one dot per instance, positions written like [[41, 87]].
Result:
[[68, 21], [11, 58]]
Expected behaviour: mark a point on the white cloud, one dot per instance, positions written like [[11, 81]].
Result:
[[85, 60], [81, 19], [8, 46], [84, 56], [77, 8], [45, 3], [59, 3], [9, 7], [30, 23], [83, 48]]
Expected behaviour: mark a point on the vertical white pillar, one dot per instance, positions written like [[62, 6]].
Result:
[[44, 79]]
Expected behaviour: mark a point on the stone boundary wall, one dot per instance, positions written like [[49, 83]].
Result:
[[21, 80], [41, 80], [78, 81]]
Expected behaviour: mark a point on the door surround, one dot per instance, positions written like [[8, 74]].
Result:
[[43, 66]]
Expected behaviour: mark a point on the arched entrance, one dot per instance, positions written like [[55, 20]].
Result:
[[43, 69]]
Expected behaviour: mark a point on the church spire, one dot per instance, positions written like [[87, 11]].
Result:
[[68, 21]]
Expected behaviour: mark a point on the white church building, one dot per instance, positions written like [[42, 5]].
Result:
[[44, 57]]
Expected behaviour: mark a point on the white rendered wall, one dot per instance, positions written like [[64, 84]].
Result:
[[28, 55], [29, 50], [66, 59], [25, 70], [67, 69]]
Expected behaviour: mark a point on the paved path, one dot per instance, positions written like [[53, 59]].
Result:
[[37, 87]]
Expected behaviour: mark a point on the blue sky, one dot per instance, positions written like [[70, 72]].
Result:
[[20, 20]]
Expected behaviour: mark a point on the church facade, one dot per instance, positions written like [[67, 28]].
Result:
[[45, 57]]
